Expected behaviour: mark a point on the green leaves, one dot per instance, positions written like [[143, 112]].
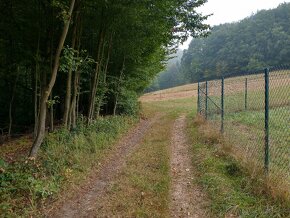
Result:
[[103, 34], [68, 60], [63, 8], [73, 60], [53, 101], [250, 44]]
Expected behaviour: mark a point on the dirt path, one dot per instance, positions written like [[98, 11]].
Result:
[[187, 199], [83, 203]]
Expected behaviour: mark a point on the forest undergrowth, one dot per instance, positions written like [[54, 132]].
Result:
[[28, 184]]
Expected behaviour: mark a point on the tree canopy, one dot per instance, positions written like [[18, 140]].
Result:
[[255, 42], [62, 59]]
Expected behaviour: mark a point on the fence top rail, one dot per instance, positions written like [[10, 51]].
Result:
[[245, 73]]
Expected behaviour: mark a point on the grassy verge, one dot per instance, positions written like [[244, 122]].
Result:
[[232, 192], [245, 132], [65, 158], [244, 129]]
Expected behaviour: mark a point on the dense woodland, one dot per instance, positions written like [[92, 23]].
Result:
[[255, 42], [62, 60]]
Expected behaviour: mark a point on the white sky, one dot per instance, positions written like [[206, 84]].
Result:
[[225, 11]]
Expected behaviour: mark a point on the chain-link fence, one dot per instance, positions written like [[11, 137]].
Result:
[[253, 111]]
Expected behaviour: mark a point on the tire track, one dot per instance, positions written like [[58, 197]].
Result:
[[86, 200], [187, 199]]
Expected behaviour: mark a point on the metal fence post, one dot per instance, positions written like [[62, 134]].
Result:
[[246, 94], [206, 100], [198, 97], [266, 164], [222, 105]]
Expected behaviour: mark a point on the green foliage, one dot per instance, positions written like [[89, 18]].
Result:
[[53, 101], [134, 35], [66, 156], [67, 60], [255, 42], [63, 9], [26, 178], [128, 103]]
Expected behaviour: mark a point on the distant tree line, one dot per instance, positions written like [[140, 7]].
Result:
[[65, 59], [255, 42], [171, 76]]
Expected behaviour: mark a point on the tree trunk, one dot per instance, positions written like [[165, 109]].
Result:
[[51, 115], [67, 99], [105, 72], [78, 100], [36, 99], [42, 111], [67, 103], [115, 106], [118, 87], [108, 56], [95, 79], [11, 104], [73, 107], [37, 76], [100, 74], [74, 100]]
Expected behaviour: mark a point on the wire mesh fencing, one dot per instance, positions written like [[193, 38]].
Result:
[[252, 110]]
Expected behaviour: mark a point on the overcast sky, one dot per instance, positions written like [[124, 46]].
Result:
[[225, 11]]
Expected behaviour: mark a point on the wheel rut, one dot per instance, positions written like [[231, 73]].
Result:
[[186, 198], [83, 203]]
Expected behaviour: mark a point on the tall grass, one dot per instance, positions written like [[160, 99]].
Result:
[[28, 184], [229, 184], [244, 127]]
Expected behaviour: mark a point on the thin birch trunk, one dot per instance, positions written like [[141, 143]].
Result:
[[73, 107], [118, 87], [74, 101], [67, 104], [105, 72], [95, 79]]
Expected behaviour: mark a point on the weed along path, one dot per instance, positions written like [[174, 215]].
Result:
[[187, 199], [83, 203]]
